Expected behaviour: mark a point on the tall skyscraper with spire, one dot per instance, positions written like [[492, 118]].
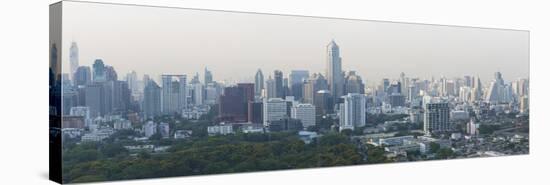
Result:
[[334, 70], [258, 83], [73, 58]]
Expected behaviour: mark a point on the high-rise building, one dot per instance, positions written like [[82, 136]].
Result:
[[145, 79], [477, 91], [315, 83], [255, 114], [270, 88], [248, 90], [110, 73], [174, 93], [296, 80], [468, 81], [197, 93], [121, 96], [334, 70], [323, 102], [132, 80], [385, 84], [414, 90], [353, 83], [208, 76], [82, 76], [498, 91], [212, 93], [279, 88], [523, 87], [353, 112], [73, 58], [396, 100], [258, 83], [304, 113], [151, 100], [70, 99], [404, 84], [233, 105], [436, 117], [394, 88], [465, 94], [286, 87], [524, 104], [99, 71], [95, 99], [274, 109], [498, 78]]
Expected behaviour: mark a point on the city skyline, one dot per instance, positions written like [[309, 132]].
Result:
[[428, 46], [154, 92]]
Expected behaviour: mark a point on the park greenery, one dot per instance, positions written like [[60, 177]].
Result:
[[239, 152]]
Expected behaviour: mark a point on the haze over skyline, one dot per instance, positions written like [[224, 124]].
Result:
[[234, 45]]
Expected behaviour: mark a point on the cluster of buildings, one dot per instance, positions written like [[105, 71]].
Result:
[[296, 102], [281, 102], [402, 144]]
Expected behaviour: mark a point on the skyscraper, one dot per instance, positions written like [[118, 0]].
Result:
[[477, 93], [524, 104], [82, 76], [258, 83], [404, 84], [274, 109], [304, 113], [270, 88], [132, 80], [99, 71], [110, 73], [120, 96], [233, 105], [315, 83], [436, 117], [95, 99], [151, 99], [70, 99], [208, 76], [174, 93], [468, 81], [353, 84], [323, 102], [212, 93], [353, 111], [279, 90], [334, 70], [197, 93], [385, 84], [73, 58], [255, 112], [248, 90], [498, 92], [296, 80]]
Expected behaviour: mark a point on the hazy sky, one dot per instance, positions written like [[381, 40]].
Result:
[[234, 45]]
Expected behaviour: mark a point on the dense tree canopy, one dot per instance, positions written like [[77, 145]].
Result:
[[218, 154]]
